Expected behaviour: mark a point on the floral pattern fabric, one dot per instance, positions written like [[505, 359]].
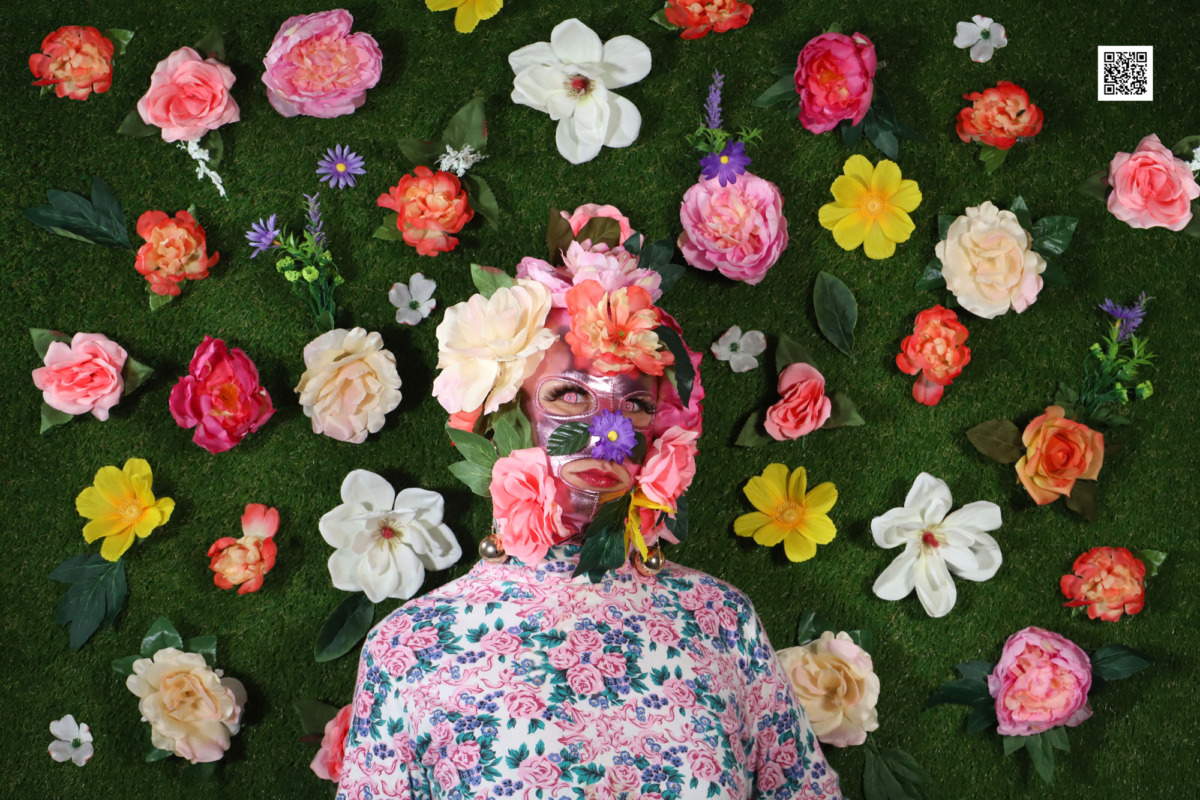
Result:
[[517, 681]]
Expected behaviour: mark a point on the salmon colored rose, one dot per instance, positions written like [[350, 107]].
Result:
[[999, 116], [429, 206], [189, 96], [1109, 581], [243, 562], [935, 349], [615, 330], [317, 68], [1058, 452], [698, 17], [220, 397], [670, 467], [523, 503], [738, 230], [835, 77], [84, 376], [76, 60], [175, 249], [1041, 682], [1151, 188], [803, 406], [327, 764], [835, 682]]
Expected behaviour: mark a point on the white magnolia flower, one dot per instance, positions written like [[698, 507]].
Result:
[[982, 35], [73, 741], [936, 545], [414, 301], [571, 78], [385, 541], [740, 349]]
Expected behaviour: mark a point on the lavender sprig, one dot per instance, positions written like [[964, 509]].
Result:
[[1130, 317], [712, 106], [315, 224]]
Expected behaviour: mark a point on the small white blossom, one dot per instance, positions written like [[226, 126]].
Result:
[[1194, 164], [415, 301], [201, 157], [73, 742], [459, 161], [740, 349], [982, 35]]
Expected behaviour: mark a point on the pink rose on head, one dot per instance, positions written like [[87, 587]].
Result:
[[613, 268], [738, 230], [328, 761], [1151, 188], [670, 466], [82, 376], [539, 772], [835, 76], [803, 406], [671, 411], [523, 502], [1041, 682], [220, 397], [188, 96], [588, 211], [317, 68]]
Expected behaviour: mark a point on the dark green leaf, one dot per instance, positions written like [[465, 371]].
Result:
[[346, 627], [421, 153], [944, 223], [834, 28], [842, 412], [634, 244], [468, 126], [1021, 210], [784, 69], [965, 692], [568, 439], [789, 352], [482, 199], [1082, 500], [1153, 559], [52, 418], [864, 639], [203, 772], [678, 524], [1096, 185], [42, 338], [314, 715], [837, 311], [904, 765], [931, 279], [886, 141], [880, 782], [134, 374], [660, 18], [780, 91], [685, 372], [1054, 275], [999, 440], [1052, 235], [1057, 737], [992, 158], [96, 594], [473, 447], [162, 634], [156, 754], [506, 437], [109, 213], [212, 45], [981, 719], [205, 646], [124, 666], [76, 218], [657, 256], [512, 414], [1041, 754], [133, 125], [1013, 743], [120, 38], [388, 229], [1186, 147], [751, 434], [1115, 662], [324, 320], [604, 547], [850, 133], [157, 301], [811, 626], [558, 236], [599, 230], [1066, 395], [975, 669], [478, 479], [488, 279]]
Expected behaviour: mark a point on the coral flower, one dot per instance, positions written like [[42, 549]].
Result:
[[787, 514], [243, 562], [1109, 581], [469, 12], [871, 206], [616, 329], [121, 505]]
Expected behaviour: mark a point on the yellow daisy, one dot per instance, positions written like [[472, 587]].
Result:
[[120, 506], [870, 207], [786, 514], [469, 13]]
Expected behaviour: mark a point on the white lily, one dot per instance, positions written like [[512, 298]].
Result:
[[413, 301], [385, 541], [936, 544], [571, 78], [982, 35], [73, 742], [740, 349]]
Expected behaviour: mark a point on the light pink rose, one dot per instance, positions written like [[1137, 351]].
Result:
[[661, 631], [403, 746], [446, 774], [585, 641], [670, 466], [1041, 682], [738, 230], [678, 692], [1151, 188], [501, 643], [585, 679], [398, 660], [803, 406], [611, 665], [624, 777], [465, 755], [363, 704], [770, 777], [441, 736], [613, 268], [709, 622], [317, 68], [523, 702], [835, 78], [419, 640], [704, 765], [766, 739], [786, 756], [580, 217], [539, 772], [727, 617], [188, 96], [349, 384], [563, 657], [523, 502], [835, 682], [328, 762], [82, 376]]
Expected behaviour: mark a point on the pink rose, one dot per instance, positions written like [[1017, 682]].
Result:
[[419, 640], [835, 76], [613, 268], [501, 643], [623, 777], [523, 702], [563, 657], [220, 397], [585, 679], [611, 665], [446, 774], [738, 230], [669, 467], [317, 68], [82, 376], [398, 660], [588, 211], [1151, 188], [770, 777], [465, 755], [709, 622], [523, 502], [441, 736], [803, 406], [765, 739], [328, 762], [786, 756], [1041, 682], [539, 772], [704, 765], [188, 96], [363, 704], [661, 631], [582, 642], [678, 692]]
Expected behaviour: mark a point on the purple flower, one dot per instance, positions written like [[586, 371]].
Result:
[[712, 106], [314, 224], [339, 166], [615, 435], [1130, 317], [727, 164], [263, 235]]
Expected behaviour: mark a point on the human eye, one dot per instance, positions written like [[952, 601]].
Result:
[[639, 410], [564, 398]]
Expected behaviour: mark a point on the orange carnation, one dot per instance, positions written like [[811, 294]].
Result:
[[1059, 451], [698, 17], [615, 330], [76, 60], [429, 206], [175, 249]]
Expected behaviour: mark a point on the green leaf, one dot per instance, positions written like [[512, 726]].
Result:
[[780, 91], [1115, 662], [657, 256], [1153, 559], [1041, 754], [1057, 737], [47, 89], [1186, 147], [314, 715], [120, 39], [944, 223], [850, 133], [789, 352], [811, 626], [604, 547], [1096, 185], [1066, 395], [52, 418], [506, 437], [95, 597], [999, 440], [558, 236], [864, 639], [124, 666], [678, 523], [600, 230], [981, 719], [215, 145], [834, 28], [478, 479], [203, 772], [1082, 500], [904, 765], [482, 199], [72, 216], [468, 126], [473, 447], [931, 279], [837, 311], [568, 439], [346, 627], [883, 779], [110, 213], [212, 45], [42, 338], [1024, 218], [324, 320], [134, 374], [842, 412], [886, 141], [157, 754], [133, 125], [1013, 743], [161, 634], [660, 18], [992, 158], [157, 301], [388, 230], [488, 279], [422, 153], [752, 434], [975, 669], [1054, 275], [1052, 235], [685, 372], [512, 414], [965, 692], [205, 646]]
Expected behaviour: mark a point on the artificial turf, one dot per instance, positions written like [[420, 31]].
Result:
[[1142, 741]]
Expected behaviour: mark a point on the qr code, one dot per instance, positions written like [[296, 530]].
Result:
[[1125, 73]]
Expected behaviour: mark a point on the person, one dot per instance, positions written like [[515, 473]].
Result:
[[557, 668]]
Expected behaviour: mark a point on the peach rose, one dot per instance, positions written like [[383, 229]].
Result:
[[738, 230], [523, 502], [82, 376], [936, 351], [175, 249], [350, 383], [76, 60], [989, 263], [999, 116], [803, 407], [1040, 682], [243, 562], [429, 206], [1058, 452], [616, 330], [835, 78], [1109, 581], [327, 764], [1151, 188], [317, 68], [189, 96], [670, 466], [835, 681]]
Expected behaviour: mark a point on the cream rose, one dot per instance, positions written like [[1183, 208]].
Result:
[[989, 264], [191, 709], [835, 682], [349, 385]]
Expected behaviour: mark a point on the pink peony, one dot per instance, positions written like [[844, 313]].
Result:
[[1041, 682], [523, 502], [188, 96], [317, 68], [738, 230], [1151, 188], [328, 761], [803, 406], [220, 397], [614, 268], [82, 376], [835, 76], [670, 466], [588, 211]]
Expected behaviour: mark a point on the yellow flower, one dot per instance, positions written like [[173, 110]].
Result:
[[121, 505], [870, 208], [633, 521], [469, 11], [786, 514]]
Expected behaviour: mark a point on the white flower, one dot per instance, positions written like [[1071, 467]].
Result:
[[385, 541], [459, 161], [571, 78], [740, 349], [74, 741], [936, 545], [414, 301], [982, 35]]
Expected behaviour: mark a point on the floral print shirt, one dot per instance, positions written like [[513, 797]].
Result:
[[515, 681]]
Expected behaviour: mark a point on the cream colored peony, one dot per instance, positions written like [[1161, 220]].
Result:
[[488, 346], [349, 385], [988, 262], [191, 709], [835, 682]]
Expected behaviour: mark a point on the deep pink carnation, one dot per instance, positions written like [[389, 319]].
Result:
[[317, 68], [738, 230], [1041, 682], [835, 77], [220, 397]]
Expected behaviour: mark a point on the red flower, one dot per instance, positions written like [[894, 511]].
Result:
[[243, 562], [220, 397], [698, 17], [616, 330], [175, 249], [76, 60], [429, 207], [328, 761], [1109, 581], [999, 116], [935, 350]]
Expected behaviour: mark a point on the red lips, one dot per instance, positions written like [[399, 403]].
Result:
[[598, 479]]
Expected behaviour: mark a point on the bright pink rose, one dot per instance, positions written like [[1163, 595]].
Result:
[[1041, 682], [803, 406], [523, 702], [585, 679], [1151, 188], [220, 397], [770, 777], [738, 230], [317, 68], [501, 643], [704, 765], [835, 76], [189, 96], [588, 211], [669, 467], [82, 376], [328, 762], [539, 772], [523, 502]]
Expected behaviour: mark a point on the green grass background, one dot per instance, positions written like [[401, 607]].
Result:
[[1142, 741]]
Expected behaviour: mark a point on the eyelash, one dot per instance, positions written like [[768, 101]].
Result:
[[645, 405]]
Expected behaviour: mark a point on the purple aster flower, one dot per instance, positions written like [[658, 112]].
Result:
[[263, 235], [712, 106], [315, 225], [615, 435], [339, 166], [727, 164], [1130, 317]]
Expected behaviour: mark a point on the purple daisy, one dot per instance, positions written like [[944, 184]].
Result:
[[263, 235], [726, 165], [1130, 317], [339, 166], [615, 436]]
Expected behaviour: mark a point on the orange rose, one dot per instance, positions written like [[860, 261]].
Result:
[[76, 60], [174, 250], [243, 562], [616, 330], [429, 206], [999, 116], [1059, 451]]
